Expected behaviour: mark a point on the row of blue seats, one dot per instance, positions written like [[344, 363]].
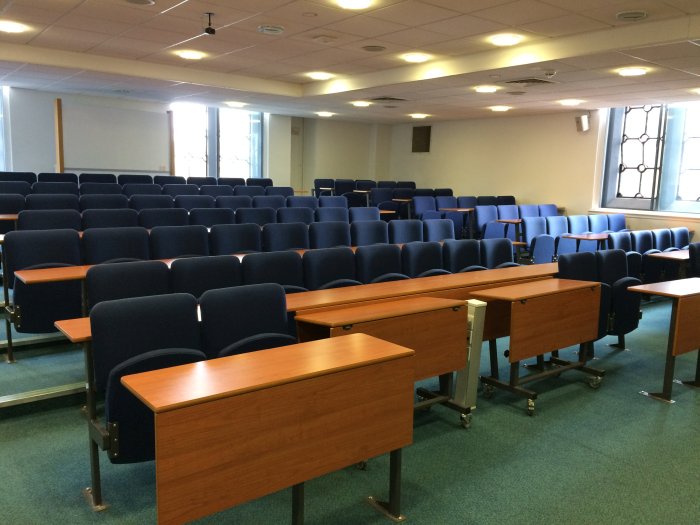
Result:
[[241, 237], [638, 245], [91, 188], [189, 330], [130, 178], [41, 305], [151, 217], [15, 203]]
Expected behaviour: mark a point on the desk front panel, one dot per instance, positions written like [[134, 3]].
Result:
[[439, 337], [686, 332], [218, 454], [551, 322]]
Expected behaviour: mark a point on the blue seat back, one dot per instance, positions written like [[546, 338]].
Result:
[[329, 268], [210, 216], [39, 201], [107, 244], [364, 214], [327, 214], [259, 216], [438, 230], [169, 242], [422, 259], [196, 275], [233, 202], [142, 202], [180, 189], [61, 188], [302, 201], [284, 268], [363, 233], [528, 210], [329, 234], [460, 255], [103, 202], [299, 214], [141, 189], [227, 239], [403, 231], [152, 217], [335, 201], [189, 202], [100, 188], [597, 223], [48, 220], [109, 218], [269, 201], [378, 262], [109, 282], [548, 210], [285, 236]]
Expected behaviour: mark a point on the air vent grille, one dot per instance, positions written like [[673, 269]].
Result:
[[388, 99], [529, 81]]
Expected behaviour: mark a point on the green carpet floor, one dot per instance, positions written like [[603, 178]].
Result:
[[606, 456]]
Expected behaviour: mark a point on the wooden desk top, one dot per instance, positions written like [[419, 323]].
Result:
[[402, 200], [395, 289], [587, 236], [676, 289], [460, 210], [8, 216], [186, 385], [376, 311], [510, 221], [676, 255], [520, 292], [76, 330], [63, 273]]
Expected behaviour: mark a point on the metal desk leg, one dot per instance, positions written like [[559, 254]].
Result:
[[392, 508], [665, 394], [298, 504], [696, 382]]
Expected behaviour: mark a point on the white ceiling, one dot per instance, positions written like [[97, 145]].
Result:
[[117, 48]]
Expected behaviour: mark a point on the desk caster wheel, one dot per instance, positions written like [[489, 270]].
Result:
[[530, 407], [506, 353], [465, 420], [488, 391], [594, 382], [362, 465]]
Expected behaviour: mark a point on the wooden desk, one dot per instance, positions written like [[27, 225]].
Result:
[[679, 258], [684, 329], [365, 193], [454, 286], [540, 317], [600, 238], [516, 223], [233, 429], [436, 329], [407, 202]]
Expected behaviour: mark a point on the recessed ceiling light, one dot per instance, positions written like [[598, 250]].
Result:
[[325, 114], [234, 104], [632, 71], [266, 29], [416, 58], [418, 115], [142, 2], [354, 4], [374, 49], [505, 39], [696, 91], [7, 26], [486, 89], [190, 54], [631, 16], [320, 75], [361, 103], [500, 109], [571, 102]]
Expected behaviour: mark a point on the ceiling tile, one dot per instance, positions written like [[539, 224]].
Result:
[[366, 26], [520, 12], [412, 13], [565, 25]]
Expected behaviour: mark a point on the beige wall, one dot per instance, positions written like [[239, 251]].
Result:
[[344, 150], [536, 158]]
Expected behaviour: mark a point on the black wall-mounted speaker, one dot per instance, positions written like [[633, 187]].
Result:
[[421, 139]]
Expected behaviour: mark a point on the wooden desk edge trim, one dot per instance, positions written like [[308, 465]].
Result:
[[126, 381], [311, 317]]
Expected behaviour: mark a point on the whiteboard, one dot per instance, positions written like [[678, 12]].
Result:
[[115, 139]]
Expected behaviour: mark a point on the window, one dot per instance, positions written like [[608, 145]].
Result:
[[653, 158], [232, 137]]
